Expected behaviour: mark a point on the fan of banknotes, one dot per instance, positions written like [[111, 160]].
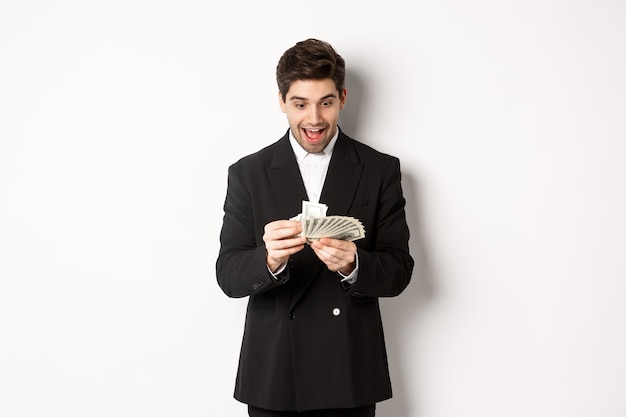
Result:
[[316, 224]]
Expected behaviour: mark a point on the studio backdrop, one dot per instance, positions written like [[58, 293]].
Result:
[[118, 121]]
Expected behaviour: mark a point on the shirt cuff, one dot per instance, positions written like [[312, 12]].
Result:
[[278, 271], [351, 279]]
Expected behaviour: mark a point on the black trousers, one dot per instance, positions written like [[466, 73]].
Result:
[[366, 411]]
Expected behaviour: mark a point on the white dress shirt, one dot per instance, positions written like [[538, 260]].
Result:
[[313, 166]]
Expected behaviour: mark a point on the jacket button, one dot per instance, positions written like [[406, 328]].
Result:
[[336, 312], [292, 315]]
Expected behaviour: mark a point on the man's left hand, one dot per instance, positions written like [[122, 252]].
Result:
[[338, 255]]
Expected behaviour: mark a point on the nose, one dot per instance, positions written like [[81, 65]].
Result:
[[314, 115]]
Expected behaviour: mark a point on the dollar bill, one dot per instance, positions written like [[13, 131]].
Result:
[[310, 209], [316, 224]]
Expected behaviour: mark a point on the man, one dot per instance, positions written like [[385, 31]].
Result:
[[313, 340]]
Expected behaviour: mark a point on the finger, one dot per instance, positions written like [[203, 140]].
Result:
[[281, 224], [274, 232], [332, 266], [283, 244], [344, 245], [336, 247], [280, 250], [284, 253], [328, 255]]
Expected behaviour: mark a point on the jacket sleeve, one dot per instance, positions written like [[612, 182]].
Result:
[[385, 264], [241, 264]]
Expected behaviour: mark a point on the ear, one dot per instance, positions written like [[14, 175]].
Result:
[[282, 103], [344, 94]]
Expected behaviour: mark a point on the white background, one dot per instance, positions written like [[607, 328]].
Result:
[[118, 121]]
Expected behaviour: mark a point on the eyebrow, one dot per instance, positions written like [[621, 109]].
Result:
[[327, 96]]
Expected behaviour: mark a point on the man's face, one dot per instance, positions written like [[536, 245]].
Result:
[[312, 108]]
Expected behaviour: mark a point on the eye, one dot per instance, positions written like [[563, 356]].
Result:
[[299, 105], [327, 103]]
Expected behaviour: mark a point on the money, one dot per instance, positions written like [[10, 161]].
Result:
[[313, 209], [316, 225], [310, 209]]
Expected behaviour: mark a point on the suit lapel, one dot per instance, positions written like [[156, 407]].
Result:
[[342, 179], [285, 180]]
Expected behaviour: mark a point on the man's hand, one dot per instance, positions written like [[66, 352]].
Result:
[[281, 241], [338, 255]]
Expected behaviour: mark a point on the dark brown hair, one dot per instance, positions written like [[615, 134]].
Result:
[[311, 59]]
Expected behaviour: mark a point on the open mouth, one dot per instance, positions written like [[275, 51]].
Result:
[[313, 135]]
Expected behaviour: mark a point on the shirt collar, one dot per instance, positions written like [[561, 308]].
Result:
[[301, 153]]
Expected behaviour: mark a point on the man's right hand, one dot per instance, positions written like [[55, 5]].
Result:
[[281, 241]]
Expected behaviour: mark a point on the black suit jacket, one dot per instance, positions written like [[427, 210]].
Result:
[[310, 342]]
